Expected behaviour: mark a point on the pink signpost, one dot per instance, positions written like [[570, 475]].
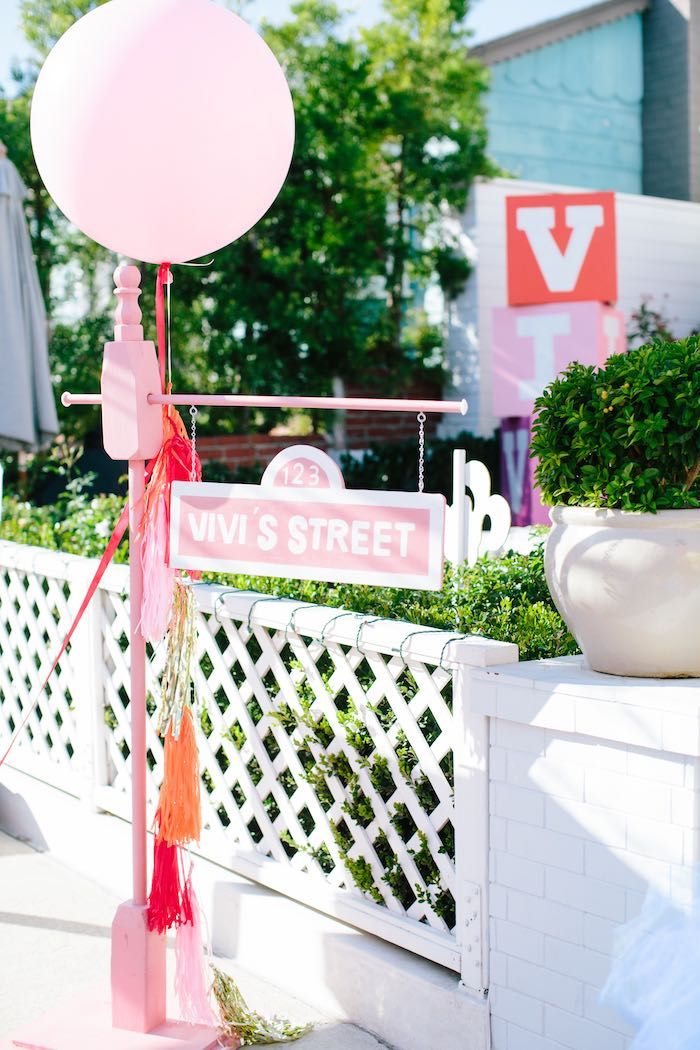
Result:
[[135, 1018], [399, 537]]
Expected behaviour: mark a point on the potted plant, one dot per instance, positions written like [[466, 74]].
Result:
[[619, 460]]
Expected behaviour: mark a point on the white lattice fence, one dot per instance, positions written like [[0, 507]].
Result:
[[334, 760], [40, 592], [32, 608], [327, 743]]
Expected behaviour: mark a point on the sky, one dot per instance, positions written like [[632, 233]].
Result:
[[488, 19]]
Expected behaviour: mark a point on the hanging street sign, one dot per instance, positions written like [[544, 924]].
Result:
[[302, 523]]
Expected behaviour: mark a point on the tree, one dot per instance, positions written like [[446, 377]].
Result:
[[431, 140], [45, 21], [329, 284], [390, 135], [292, 303]]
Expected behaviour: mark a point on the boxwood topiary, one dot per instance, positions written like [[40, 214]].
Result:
[[626, 435]]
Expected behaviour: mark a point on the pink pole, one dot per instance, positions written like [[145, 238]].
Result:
[[133, 431], [365, 404], [137, 706]]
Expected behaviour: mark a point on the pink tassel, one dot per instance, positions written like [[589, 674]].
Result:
[[158, 577], [191, 985]]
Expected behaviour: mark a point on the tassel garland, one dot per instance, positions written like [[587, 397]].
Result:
[[173, 463], [191, 986], [168, 606], [158, 577], [179, 815], [242, 1026], [176, 683], [178, 818], [165, 905]]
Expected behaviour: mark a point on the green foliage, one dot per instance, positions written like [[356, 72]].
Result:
[[504, 598], [241, 1025], [77, 524], [76, 363], [390, 128], [624, 436], [44, 21]]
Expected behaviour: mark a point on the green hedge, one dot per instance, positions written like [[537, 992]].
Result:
[[504, 598], [395, 466]]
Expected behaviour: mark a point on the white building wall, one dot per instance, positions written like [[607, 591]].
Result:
[[658, 243], [592, 804]]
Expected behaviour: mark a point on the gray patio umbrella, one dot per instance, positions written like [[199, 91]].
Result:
[[27, 409]]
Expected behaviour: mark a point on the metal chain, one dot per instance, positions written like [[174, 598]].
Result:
[[421, 450], [193, 462]]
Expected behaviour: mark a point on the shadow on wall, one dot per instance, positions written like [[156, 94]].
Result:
[[17, 820]]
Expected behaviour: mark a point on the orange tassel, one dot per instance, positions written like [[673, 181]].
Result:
[[179, 816]]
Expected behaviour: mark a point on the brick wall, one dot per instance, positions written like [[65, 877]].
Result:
[[246, 450], [581, 825], [366, 428]]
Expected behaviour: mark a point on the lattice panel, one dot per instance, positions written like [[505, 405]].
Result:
[[31, 609], [326, 759], [331, 761]]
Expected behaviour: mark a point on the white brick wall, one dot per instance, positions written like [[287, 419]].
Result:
[[580, 828]]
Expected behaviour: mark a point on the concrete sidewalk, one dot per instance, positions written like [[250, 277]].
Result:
[[54, 941]]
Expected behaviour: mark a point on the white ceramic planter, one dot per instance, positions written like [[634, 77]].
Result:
[[628, 587]]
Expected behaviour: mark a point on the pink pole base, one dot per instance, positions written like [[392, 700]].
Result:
[[86, 1025], [138, 970]]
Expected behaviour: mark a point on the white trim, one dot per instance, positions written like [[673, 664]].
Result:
[[532, 38]]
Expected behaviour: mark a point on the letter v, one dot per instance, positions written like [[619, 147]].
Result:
[[198, 528], [560, 270], [515, 444]]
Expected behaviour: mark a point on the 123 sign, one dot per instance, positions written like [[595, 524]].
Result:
[[314, 531]]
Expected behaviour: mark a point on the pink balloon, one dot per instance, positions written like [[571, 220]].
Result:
[[163, 129]]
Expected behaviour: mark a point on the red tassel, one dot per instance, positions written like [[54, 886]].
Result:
[[165, 902]]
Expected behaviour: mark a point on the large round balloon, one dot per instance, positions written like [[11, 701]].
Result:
[[162, 128]]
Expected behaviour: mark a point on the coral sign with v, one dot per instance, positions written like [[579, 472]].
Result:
[[561, 247]]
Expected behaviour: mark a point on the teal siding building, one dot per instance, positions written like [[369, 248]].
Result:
[[605, 98], [571, 112]]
